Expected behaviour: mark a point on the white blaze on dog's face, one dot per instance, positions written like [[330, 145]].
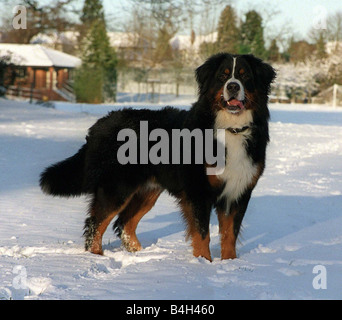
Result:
[[233, 88], [234, 91]]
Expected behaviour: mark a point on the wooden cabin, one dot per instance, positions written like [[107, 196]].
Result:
[[36, 72]]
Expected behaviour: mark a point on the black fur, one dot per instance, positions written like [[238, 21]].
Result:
[[65, 178], [95, 168]]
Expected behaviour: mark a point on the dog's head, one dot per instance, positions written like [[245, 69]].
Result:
[[235, 83]]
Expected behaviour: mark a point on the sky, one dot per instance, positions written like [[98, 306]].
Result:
[[294, 16], [298, 15]]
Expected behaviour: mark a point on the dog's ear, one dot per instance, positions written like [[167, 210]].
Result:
[[264, 74], [206, 72], [202, 76]]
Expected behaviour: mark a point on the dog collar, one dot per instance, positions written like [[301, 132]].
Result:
[[238, 130]]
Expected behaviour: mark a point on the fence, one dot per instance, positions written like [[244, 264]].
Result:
[[24, 92], [332, 95], [149, 85]]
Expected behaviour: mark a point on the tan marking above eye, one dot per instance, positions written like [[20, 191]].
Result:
[[242, 71], [226, 71]]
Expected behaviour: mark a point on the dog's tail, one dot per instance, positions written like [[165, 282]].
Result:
[[65, 178]]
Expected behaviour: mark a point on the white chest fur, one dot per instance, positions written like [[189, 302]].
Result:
[[239, 169]]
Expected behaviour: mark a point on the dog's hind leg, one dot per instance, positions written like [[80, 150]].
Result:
[[103, 208], [129, 217]]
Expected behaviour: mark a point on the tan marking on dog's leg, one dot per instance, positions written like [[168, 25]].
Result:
[[228, 239], [96, 245], [140, 204], [201, 246]]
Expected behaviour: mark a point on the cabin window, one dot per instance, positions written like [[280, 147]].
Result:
[[20, 72]]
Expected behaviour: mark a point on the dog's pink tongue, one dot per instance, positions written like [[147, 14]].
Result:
[[235, 102]]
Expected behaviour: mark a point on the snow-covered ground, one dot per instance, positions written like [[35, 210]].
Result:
[[293, 223]]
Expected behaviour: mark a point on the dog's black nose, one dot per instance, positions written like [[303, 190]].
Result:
[[233, 87]]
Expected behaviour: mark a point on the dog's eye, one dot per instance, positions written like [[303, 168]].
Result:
[[244, 75], [223, 77]]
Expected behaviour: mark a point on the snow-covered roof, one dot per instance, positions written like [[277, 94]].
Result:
[[116, 39], [183, 42], [55, 37], [35, 55], [123, 39]]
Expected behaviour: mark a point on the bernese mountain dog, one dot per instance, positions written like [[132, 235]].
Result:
[[233, 98]]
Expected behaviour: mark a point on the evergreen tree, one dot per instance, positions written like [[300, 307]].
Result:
[[92, 11], [320, 46], [228, 31], [252, 35], [99, 61], [88, 84], [273, 51]]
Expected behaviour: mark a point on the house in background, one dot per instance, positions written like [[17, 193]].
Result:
[[36, 72]]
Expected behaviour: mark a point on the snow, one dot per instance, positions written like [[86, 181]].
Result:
[[36, 55], [123, 39], [293, 222], [184, 42]]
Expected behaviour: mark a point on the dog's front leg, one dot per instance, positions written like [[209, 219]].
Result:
[[229, 225], [228, 238], [200, 245], [197, 216]]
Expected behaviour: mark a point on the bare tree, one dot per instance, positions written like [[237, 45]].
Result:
[[334, 29], [54, 15]]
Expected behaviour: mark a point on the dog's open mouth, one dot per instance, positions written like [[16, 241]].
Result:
[[233, 105]]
